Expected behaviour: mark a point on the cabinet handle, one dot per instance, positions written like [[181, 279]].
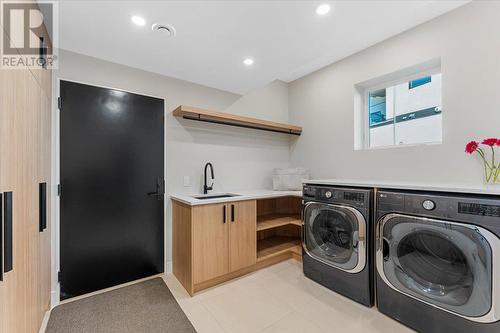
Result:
[[1, 237], [224, 214], [42, 209], [7, 229], [232, 213]]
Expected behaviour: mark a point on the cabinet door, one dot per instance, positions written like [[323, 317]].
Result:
[[242, 217], [15, 296], [210, 242]]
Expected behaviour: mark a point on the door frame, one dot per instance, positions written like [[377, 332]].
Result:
[[55, 203]]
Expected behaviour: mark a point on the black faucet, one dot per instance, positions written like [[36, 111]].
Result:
[[207, 188]]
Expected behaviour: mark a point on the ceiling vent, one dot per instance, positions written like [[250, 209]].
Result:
[[164, 29]]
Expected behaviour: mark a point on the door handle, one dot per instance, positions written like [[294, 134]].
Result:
[[1, 237], [7, 229], [160, 190], [224, 214], [232, 213], [42, 209]]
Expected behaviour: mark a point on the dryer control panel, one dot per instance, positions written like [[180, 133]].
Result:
[[478, 209], [481, 209]]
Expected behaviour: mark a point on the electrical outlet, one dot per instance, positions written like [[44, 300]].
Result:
[[187, 181]]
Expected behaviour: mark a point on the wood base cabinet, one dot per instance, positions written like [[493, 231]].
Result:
[[211, 241]]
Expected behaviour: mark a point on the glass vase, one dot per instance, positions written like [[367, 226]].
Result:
[[492, 175]]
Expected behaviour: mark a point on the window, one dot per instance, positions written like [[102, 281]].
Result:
[[403, 112], [419, 82]]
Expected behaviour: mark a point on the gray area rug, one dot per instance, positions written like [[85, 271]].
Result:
[[148, 306]]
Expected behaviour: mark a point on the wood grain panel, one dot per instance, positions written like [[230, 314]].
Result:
[[182, 245], [270, 221], [243, 234], [25, 160], [14, 300], [210, 242], [194, 113], [282, 205]]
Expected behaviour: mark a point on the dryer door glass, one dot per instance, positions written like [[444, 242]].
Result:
[[333, 234], [446, 264]]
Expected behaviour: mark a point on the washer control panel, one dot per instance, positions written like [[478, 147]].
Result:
[[353, 197]]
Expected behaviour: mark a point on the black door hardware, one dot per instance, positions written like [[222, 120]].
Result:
[[7, 229], [1, 237], [42, 210], [160, 190]]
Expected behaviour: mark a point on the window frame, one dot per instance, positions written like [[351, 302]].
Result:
[[384, 85]]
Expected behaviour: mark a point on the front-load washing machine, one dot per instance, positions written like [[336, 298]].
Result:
[[336, 241], [438, 260]]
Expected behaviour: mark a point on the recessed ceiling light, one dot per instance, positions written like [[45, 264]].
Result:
[[323, 9], [137, 20], [248, 61]]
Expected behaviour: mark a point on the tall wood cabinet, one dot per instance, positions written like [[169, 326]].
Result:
[[25, 154]]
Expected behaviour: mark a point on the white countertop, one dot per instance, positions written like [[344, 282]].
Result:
[[486, 189], [241, 195]]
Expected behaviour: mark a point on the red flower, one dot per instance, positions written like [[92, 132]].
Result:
[[471, 147], [490, 142], [498, 142]]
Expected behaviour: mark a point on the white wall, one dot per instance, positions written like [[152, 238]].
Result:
[[269, 102], [242, 158], [467, 42]]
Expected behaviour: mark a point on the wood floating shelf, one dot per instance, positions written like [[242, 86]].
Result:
[[269, 221], [198, 114], [277, 245]]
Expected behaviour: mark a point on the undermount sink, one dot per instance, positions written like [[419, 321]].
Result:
[[215, 196]]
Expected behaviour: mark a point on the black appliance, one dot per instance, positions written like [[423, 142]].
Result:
[[336, 241], [438, 260]]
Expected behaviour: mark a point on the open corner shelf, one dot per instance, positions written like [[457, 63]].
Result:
[[269, 221], [276, 245], [198, 114]]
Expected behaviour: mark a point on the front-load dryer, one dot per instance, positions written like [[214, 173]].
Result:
[[438, 260], [336, 241]]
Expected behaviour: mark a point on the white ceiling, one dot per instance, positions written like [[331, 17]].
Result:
[[287, 39]]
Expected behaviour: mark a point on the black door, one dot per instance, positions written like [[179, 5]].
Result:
[[111, 187]]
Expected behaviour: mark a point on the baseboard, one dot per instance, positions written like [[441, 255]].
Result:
[[45, 321]]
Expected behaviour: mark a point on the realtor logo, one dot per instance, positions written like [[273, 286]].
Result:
[[30, 34]]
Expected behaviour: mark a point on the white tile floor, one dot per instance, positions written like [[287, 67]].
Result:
[[277, 299]]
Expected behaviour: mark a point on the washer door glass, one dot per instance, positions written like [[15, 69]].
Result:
[[446, 264], [332, 235]]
